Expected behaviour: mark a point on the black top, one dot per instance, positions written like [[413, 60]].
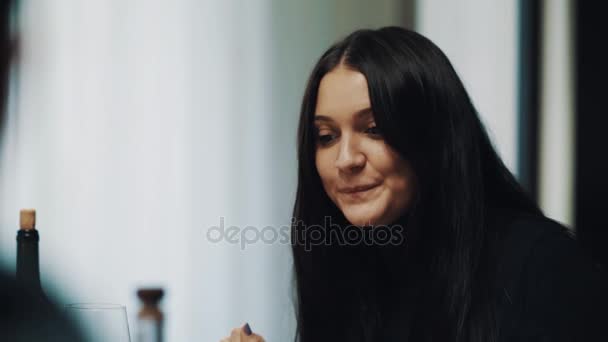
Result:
[[546, 286], [549, 288]]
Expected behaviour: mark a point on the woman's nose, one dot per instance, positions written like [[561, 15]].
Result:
[[350, 157]]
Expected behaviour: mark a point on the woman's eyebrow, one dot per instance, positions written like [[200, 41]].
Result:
[[363, 113], [360, 114]]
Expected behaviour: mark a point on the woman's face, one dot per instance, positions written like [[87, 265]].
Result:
[[368, 180]]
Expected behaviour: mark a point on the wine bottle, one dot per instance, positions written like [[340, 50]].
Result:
[[28, 266], [150, 318]]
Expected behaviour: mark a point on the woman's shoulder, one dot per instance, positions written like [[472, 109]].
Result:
[[549, 285], [537, 248], [526, 229], [523, 238], [535, 243]]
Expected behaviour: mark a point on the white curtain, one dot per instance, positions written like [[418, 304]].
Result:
[[557, 112], [480, 38], [136, 125]]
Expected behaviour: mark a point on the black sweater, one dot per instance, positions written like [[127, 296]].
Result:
[[549, 288]]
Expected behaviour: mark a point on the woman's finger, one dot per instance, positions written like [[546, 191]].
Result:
[[243, 334], [236, 334], [253, 338]]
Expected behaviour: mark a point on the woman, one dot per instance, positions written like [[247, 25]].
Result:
[[388, 137]]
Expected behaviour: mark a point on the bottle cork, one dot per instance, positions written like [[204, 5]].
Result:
[[150, 298], [27, 219]]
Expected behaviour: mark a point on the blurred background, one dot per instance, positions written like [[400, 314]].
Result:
[[134, 127]]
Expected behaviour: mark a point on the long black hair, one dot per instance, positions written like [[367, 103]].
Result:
[[442, 291]]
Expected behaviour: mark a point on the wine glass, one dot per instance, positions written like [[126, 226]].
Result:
[[101, 322]]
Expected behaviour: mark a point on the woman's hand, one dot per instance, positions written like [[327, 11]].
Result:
[[243, 334]]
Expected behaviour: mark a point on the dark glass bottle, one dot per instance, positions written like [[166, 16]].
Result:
[[150, 318], [34, 315], [28, 266]]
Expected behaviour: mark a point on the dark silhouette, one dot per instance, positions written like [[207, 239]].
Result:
[[23, 318]]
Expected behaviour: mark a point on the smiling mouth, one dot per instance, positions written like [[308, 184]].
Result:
[[358, 189]]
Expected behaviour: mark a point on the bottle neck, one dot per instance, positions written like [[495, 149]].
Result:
[[150, 311], [28, 267]]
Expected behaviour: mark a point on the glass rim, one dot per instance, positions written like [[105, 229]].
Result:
[[95, 306]]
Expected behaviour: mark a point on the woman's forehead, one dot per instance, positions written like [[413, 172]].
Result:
[[343, 92]]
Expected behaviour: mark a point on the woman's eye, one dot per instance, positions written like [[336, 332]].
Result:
[[373, 130], [325, 139]]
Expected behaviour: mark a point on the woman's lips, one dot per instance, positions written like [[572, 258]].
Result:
[[358, 188]]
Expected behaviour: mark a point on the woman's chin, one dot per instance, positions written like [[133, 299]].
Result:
[[362, 221], [363, 214]]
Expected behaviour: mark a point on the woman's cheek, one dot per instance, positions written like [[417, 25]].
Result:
[[324, 170]]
